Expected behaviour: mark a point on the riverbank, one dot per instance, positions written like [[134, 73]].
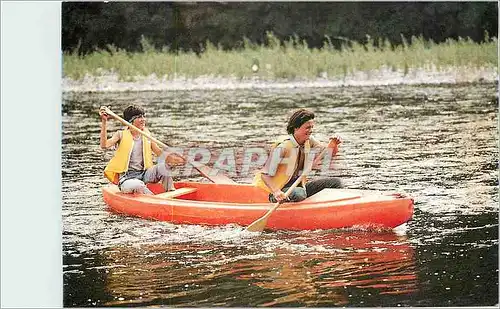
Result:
[[112, 82], [290, 65]]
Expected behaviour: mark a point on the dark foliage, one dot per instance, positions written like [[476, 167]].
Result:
[[87, 26]]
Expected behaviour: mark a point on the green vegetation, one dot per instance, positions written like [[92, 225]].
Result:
[[292, 59]]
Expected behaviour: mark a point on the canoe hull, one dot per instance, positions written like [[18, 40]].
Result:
[[329, 209]]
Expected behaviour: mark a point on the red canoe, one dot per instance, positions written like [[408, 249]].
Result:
[[219, 204]]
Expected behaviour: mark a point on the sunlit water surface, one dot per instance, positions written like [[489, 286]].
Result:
[[437, 143]]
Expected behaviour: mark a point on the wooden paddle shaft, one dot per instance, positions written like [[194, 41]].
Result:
[[259, 224], [204, 170], [109, 112]]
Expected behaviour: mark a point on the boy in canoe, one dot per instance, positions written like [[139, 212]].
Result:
[[286, 162], [132, 167]]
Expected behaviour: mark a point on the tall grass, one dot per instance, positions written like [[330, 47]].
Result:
[[293, 59]]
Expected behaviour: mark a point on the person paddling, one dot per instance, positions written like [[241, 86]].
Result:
[[287, 160], [131, 167]]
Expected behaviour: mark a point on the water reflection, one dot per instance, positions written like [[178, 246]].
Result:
[[324, 270]]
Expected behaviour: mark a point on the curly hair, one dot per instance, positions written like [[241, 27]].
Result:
[[297, 119], [132, 111]]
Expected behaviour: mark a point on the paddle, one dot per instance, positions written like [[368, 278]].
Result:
[[203, 169], [259, 224]]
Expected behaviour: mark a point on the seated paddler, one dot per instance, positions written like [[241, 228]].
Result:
[[131, 167], [288, 158]]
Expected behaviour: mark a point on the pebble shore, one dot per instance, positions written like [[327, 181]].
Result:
[[111, 82]]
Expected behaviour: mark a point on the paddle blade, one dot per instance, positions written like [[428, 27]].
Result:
[[258, 225], [209, 173]]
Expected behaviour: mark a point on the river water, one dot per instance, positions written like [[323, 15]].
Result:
[[437, 143]]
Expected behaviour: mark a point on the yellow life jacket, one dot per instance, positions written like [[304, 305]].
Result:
[[119, 163], [286, 166]]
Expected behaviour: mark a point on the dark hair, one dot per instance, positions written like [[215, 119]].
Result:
[[298, 118], [131, 111]]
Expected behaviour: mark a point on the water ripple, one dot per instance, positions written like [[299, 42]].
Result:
[[435, 143]]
